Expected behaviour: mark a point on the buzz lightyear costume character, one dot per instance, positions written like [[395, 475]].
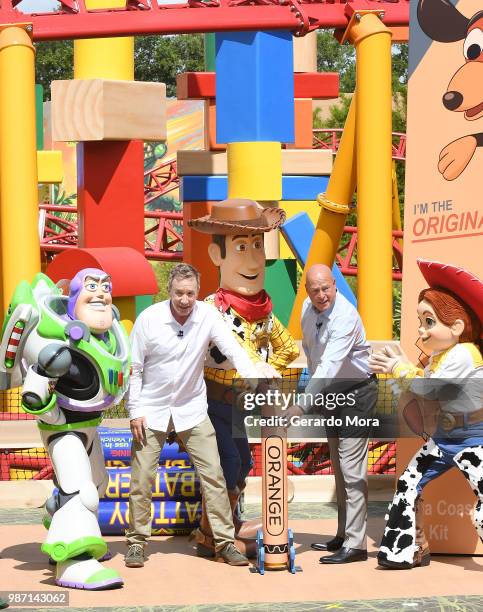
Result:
[[72, 356], [450, 314], [237, 227]]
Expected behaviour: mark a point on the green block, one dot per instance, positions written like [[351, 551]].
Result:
[[39, 116], [281, 286], [143, 302], [210, 52]]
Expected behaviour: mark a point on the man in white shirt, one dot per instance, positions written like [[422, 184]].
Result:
[[167, 392], [337, 353]]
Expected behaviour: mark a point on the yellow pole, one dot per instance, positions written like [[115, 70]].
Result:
[[335, 207], [20, 244], [104, 58], [372, 40]]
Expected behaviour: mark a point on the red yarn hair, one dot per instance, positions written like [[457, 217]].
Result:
[[448, 308]]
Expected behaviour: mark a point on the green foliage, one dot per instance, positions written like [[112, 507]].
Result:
[[334, 57], [54, 61], [161, 271], [157, 58], [161, 58]]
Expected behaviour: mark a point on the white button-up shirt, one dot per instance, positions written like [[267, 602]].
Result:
[[335, 344], [167, 364]]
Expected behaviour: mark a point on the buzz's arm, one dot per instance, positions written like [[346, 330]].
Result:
[[38, 397]]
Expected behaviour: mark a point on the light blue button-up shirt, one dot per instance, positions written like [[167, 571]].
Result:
[[335, 344]]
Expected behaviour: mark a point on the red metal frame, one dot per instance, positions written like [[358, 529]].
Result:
[[142, 17], [163, 237], [346, 256], [160, 180], [329, 138]]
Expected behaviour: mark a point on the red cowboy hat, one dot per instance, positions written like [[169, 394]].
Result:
[[465, 285]]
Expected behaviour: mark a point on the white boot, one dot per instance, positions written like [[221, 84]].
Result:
[[86, 574]]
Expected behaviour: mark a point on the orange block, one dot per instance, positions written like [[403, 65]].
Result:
[[195, 247], [210, 127], [303, 124]]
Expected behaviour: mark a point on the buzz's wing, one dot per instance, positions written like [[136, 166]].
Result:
[[15, 333]]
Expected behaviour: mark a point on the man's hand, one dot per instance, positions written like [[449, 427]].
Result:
[[138, 429], [265, 370], [291, 412]]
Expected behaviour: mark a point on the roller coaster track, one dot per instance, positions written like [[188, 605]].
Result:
[[143, 17]]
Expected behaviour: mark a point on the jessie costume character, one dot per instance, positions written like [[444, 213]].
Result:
[[450, 312], [237, 227]]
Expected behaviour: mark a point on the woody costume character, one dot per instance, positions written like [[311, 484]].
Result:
[[237, 227], [451, 320]]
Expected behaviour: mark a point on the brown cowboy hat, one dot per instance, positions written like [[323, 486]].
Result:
[[235, 216]]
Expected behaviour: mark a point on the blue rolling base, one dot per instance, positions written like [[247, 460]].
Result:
[[260, 566]]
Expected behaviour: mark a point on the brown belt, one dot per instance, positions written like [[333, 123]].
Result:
[[449, 420], [218, 392]]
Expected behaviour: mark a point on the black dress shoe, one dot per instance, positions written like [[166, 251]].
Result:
[[330, 545], [346, 555]]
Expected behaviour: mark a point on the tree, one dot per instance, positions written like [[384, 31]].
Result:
[[161, 58], [334, 57], [157, 58], [54, 61]]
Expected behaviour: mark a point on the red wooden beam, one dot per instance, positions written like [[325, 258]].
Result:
[[202, 85], [192, 17]]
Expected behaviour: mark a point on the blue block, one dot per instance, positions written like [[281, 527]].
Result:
[[254, 87], [207, 188], [298, 231], [303, 187]]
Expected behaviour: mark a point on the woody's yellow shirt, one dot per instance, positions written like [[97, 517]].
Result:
[[264, 340]]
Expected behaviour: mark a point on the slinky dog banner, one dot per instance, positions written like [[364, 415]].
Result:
[[443, 215]]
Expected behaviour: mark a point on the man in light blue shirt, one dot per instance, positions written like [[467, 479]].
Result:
[[337, 353]]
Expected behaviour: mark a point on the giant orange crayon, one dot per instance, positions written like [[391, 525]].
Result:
[[275, 547]]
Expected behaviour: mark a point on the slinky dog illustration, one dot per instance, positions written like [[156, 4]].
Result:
[[443, 22]]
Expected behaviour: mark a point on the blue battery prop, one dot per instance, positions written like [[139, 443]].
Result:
[[167, 517]]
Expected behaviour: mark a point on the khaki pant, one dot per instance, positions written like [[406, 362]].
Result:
[[200, 442]]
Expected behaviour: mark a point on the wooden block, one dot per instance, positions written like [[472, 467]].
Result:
[[305, 53], [101, 109], [281, 286], [210, 127], [202, 85], [195, 247], [306, 161], [292, 208], [271, 240], [303, 125], [294, 161], [209, 188], [49, 167]]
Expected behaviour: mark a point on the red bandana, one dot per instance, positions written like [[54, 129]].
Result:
[[252, 308]]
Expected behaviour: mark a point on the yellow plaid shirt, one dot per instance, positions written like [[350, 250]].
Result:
[[264, 340]]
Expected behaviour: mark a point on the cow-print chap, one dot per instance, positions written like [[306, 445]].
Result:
[[398, 542], [470, 462]]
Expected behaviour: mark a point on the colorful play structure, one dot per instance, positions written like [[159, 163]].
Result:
[[260, 80]]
